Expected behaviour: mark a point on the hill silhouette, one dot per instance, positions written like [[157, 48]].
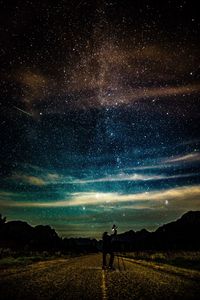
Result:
[[180, 234], [183, 233]]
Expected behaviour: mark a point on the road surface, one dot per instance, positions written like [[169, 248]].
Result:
[[83, 278]]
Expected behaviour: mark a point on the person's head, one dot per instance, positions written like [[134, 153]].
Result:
[[114, 226]]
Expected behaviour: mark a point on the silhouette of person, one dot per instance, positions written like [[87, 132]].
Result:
[[105, 248], [114, 230], [108, 247]]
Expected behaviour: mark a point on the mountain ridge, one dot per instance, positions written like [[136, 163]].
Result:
[[180, 234]]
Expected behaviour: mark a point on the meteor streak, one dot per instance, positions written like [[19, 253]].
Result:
[[23, 111]]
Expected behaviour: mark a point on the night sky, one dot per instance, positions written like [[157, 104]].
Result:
[[99, 113]]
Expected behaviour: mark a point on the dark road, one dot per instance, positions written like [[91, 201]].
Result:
[[83, 278]]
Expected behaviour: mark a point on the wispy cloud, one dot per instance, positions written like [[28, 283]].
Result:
[[190, 157], [127, 96], [32, 180], [131, 177], [34, 175], [130, 63], [183, 196], [119, 177], [152, 92], [167, 162], [52, 176]]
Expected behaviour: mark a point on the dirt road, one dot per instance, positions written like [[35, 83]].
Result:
[[83, 278]]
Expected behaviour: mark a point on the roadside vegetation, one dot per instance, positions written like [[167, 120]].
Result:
[[10, 258], [183, 259]]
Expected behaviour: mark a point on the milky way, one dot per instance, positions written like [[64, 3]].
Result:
[[99, 113]]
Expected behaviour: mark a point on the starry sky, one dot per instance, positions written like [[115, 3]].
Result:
[[99, 113]]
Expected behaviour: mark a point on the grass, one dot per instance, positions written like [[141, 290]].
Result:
[[22, 260], [10, 258], [183, 259]]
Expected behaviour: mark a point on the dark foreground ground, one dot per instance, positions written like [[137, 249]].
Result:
[[83, 278]]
